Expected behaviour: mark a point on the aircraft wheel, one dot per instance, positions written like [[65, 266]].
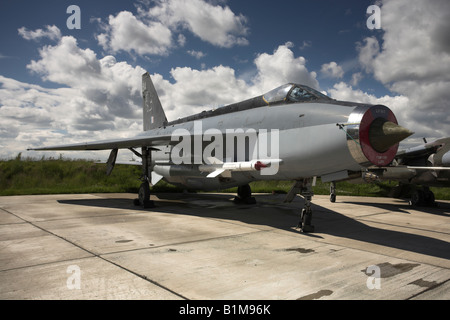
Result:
[[333, 192], [332, 198], [244, 195], [306, 218], [244, 191], [429, 198], [417, 198], [144, 196]]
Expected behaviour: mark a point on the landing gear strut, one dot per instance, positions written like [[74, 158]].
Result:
[[304, 188], [143, 199], [244, 195], [306, 216]]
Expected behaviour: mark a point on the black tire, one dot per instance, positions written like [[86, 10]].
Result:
[[332, 198], [417, 198], [429, 199], [305, 223], [144, 194], [244, 191]]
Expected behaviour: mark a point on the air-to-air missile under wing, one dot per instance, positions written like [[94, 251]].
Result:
[[290, 133]]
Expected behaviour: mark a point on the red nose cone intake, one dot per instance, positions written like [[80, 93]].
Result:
[[375, 140], [380, 134]]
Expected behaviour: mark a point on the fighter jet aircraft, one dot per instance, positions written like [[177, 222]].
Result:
[[427, 165], [290, 133]]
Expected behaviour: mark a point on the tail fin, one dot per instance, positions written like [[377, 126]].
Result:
[[154, 115]]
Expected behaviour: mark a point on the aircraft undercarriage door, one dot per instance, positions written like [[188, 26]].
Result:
[[111, 161]]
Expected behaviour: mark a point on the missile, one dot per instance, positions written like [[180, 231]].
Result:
[[218, 167]]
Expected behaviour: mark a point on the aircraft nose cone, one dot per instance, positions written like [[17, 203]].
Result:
[[383, 134]]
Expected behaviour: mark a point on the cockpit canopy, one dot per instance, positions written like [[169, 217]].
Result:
[[291, 93], [285, 94]]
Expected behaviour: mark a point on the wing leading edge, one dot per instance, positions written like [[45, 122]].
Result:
[[126, 143]]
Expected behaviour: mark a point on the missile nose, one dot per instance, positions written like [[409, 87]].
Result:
[[383, 134]]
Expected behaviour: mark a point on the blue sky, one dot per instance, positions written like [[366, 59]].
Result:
[[321, 31], [59, 85]]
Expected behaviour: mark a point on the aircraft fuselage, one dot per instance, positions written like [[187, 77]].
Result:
[[308, 141]]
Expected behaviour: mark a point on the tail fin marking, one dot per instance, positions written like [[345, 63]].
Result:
[[154, 116]]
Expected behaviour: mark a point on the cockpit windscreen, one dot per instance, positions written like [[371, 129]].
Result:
[[291, 93]]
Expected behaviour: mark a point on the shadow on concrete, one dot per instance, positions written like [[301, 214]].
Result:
[[270, 211], [441, 208]]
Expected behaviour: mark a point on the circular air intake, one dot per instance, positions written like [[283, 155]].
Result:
[[374, 134]]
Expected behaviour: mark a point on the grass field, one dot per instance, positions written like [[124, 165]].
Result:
[[56, 176]]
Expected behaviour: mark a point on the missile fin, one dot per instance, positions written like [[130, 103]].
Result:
[[215, 173]]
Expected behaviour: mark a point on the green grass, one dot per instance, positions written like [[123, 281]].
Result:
[[19, 177], [55, 176]]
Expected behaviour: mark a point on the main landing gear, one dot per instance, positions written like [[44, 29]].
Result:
[[419, 196], [423, 198], [304, 188], [143, 199]]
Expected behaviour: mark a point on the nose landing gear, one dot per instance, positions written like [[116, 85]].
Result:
[[304, 188]]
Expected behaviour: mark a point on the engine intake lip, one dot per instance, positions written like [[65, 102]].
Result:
[[358, 135]]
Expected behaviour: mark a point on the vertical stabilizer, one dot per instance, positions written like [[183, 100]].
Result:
[[154, 115]]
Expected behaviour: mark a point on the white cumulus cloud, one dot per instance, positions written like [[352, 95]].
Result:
[[158, 29], [412, 59], [100, 98], [332, 70], [51, 32], [282, 67], [124, 32], [215, 24]]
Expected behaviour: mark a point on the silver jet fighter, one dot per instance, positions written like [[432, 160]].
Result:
[[290, 133]]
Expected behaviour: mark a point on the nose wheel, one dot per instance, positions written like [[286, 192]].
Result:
[[306, 215], [305, 221], [333, 192]]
